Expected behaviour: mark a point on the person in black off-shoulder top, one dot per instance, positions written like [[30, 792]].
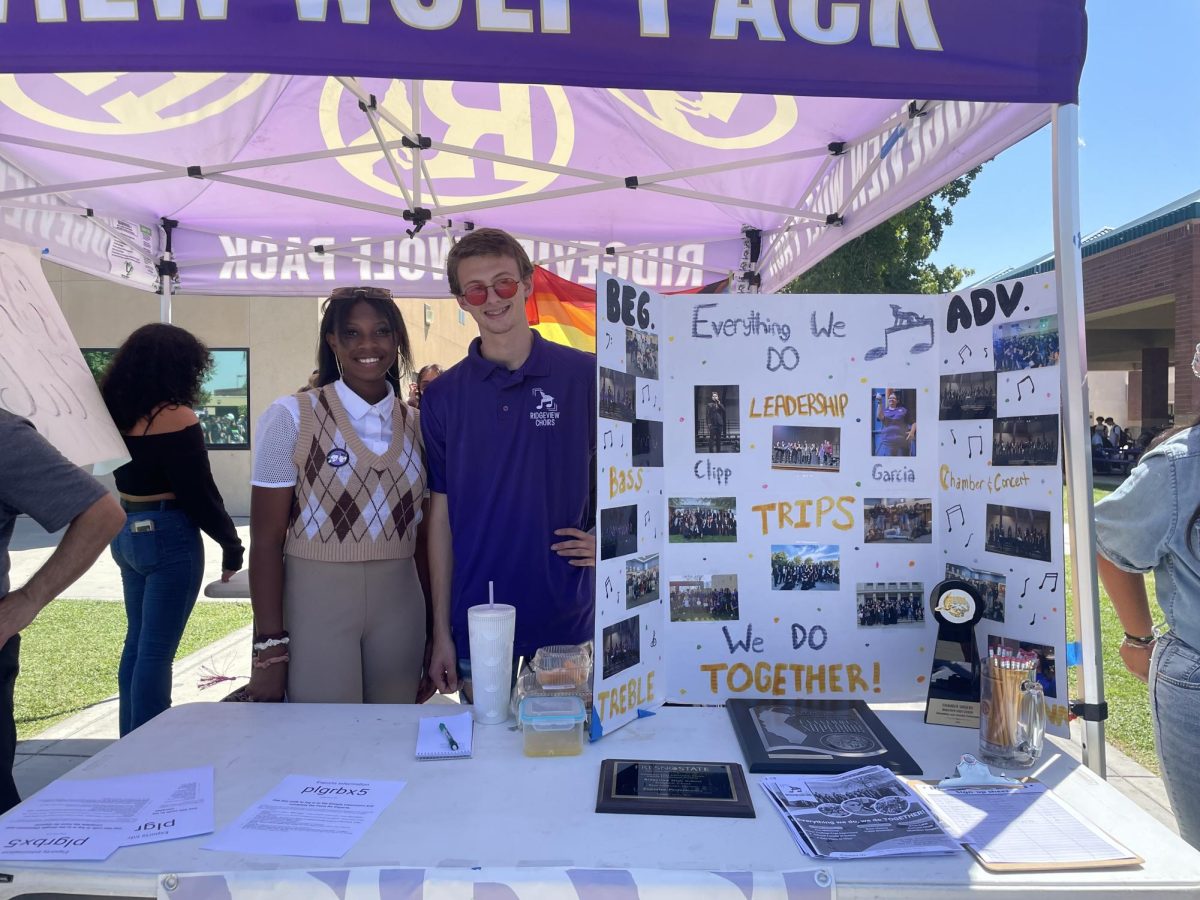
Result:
[[169, 496]]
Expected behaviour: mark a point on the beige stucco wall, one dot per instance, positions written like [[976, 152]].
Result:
[[281, 334]]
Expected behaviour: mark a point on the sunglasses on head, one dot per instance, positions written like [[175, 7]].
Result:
[[360, 293], [505, 288]]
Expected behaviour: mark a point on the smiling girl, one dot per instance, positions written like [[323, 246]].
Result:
[[339, 475]]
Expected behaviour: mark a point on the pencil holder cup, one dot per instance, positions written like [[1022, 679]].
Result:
[[1012, 714]]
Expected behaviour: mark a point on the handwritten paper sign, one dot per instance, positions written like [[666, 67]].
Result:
[[785, 478], [43, 376]]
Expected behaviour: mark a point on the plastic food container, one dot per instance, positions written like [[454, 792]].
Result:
[[529, 686], [552, 726], [562, 666]]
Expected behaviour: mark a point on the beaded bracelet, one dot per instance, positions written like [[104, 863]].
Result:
[[267, 663]]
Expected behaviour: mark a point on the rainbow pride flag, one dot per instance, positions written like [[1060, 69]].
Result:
[[565, 312], [562, 311]]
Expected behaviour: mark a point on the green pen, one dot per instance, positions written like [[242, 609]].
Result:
[[449, 737]]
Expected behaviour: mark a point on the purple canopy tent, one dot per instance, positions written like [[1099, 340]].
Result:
[[607, 135], [618, 151]]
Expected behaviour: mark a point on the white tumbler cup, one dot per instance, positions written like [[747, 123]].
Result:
[[490, 630]]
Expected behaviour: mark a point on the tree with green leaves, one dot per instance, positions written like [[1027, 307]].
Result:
[[893, 257], [97, 362]]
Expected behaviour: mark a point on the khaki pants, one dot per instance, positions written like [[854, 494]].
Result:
[[357, 631]]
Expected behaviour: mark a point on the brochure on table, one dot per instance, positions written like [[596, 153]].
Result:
[[783, 479]]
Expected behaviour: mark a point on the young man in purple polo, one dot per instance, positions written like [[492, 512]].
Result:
[[510, 442]]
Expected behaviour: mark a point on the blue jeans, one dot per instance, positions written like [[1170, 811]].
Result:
[[161, 568], [1175, 706]]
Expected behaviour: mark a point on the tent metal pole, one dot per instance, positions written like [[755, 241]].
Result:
[[89, 152], [68, 187], [164, 292], [373, 120], [167, 269], [734, 201], [43, 207], [1068, 273], [780, 234], [415, 89], [174, 169]]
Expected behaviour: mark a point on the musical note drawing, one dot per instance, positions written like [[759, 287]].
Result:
[[608, 439], [953, 436], [971, 438], [960, 352], [968, 543], [1032, 386], [654, 639], [1024, 589], [985, 356], [1033, 621], [962, 520], [1053, 576], [646, 518], [608, 341], [607, 587], [902, 320], [623, 440], [645, 392]]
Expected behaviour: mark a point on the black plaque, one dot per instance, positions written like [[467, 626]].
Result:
[[670, 788], [815, 737]]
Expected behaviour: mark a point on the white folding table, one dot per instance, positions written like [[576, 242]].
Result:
[[502, 809]]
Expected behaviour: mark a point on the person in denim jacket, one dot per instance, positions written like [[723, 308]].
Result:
[[1152, 522]]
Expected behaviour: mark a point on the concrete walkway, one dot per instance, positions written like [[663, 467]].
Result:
[[61, 747], [31, 547]]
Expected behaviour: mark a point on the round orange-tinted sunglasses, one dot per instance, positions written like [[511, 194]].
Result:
[[505, 288]]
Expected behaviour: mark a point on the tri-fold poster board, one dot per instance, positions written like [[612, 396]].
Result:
[[783, 479]]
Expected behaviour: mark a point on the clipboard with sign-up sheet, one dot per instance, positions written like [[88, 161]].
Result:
[[1022, 827]]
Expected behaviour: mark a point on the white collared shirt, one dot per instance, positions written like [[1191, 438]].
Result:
[[274, 441]]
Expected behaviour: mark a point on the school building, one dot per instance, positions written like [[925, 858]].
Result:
[[1141, 286]]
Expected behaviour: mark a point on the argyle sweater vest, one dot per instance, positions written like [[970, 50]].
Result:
[[351, 505]]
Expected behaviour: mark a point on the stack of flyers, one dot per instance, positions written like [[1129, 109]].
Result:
[[862, 813]]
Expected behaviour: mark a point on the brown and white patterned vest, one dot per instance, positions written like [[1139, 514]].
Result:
[[351, 505]]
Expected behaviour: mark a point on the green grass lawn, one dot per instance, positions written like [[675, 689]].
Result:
[[69, 655], [1128, 726]]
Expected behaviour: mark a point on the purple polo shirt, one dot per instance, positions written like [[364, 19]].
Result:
[[515, 454]]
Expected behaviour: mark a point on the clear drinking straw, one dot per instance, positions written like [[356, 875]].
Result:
[[491, 594]]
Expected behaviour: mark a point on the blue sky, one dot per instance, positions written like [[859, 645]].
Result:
[[1139, 123], [229, 370]]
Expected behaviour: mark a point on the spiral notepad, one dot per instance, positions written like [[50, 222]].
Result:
[[434, 743]]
